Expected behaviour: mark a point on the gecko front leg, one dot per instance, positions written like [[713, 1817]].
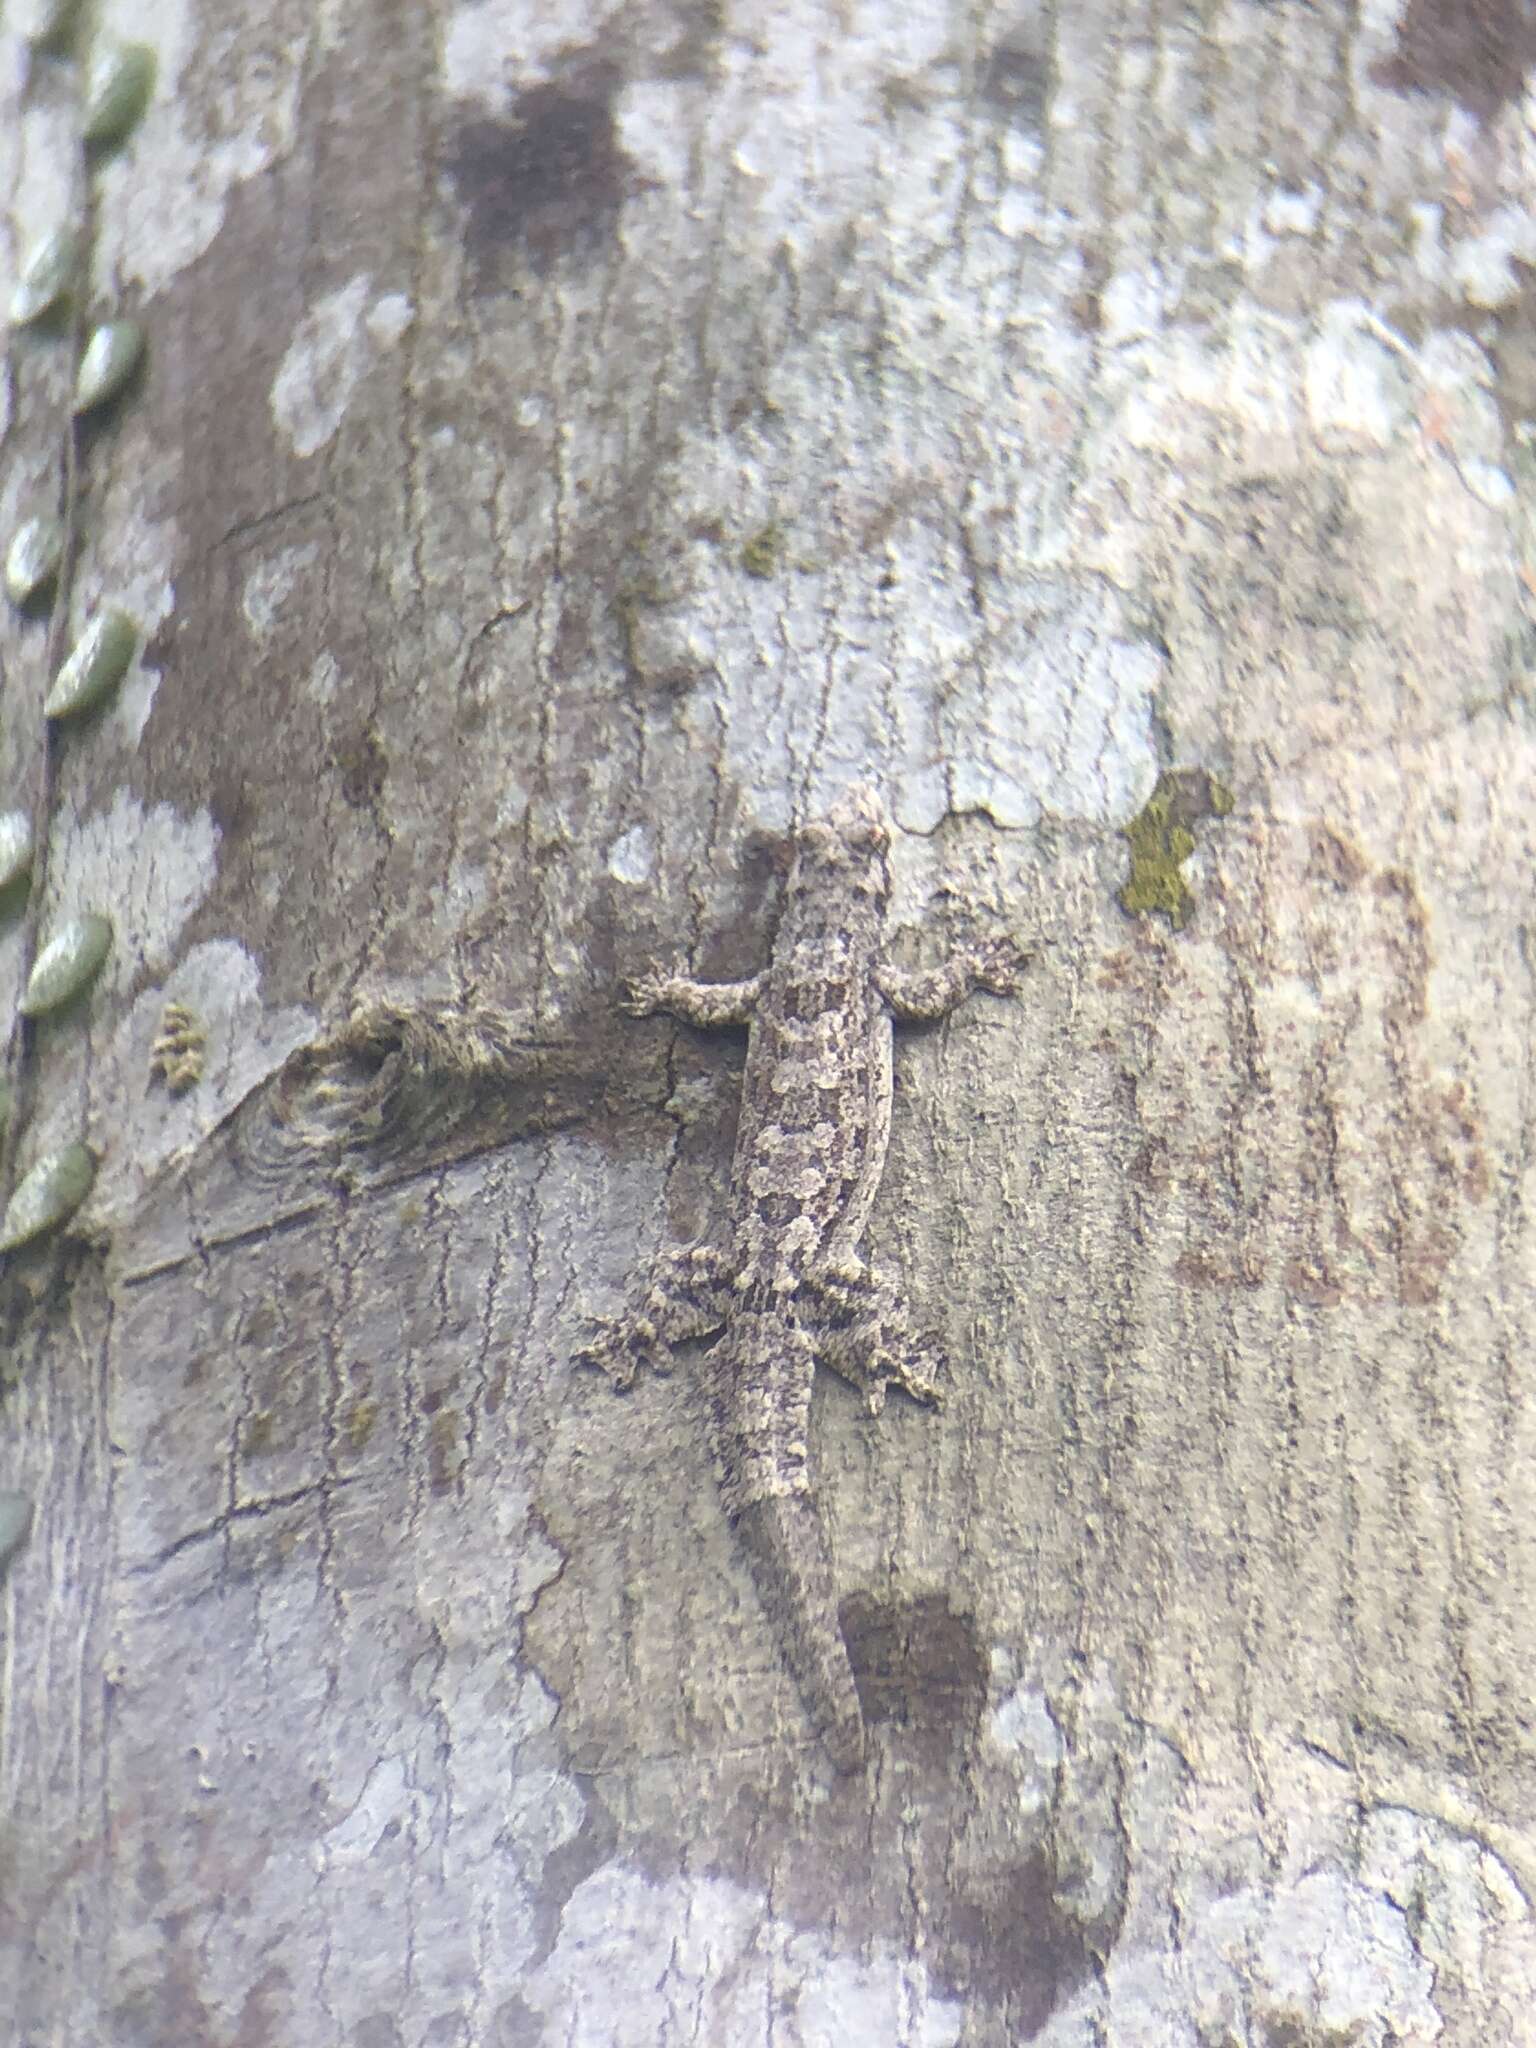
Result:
[[711, 1005], [994, 964]]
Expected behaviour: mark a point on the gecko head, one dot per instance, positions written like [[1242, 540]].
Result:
[[851, 845]]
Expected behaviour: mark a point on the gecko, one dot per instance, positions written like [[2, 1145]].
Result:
[[793, 1289]]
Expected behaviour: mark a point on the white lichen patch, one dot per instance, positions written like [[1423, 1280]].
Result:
[[324, 677], [700, 1960], [1358, 390], [1486, 267], [145, 869], [1022, 1729], [1289, 211], [388, 318], [218, 984], [1132, 303], [36, 157], [1058, 720], [1332, 1922], [1324, 1954], [1044, 709], [269, 584], [632, 857], [492, 45], [128, 554], [333, 348], [810, 94], [149, 869], [225, 109], [1472, 1919]]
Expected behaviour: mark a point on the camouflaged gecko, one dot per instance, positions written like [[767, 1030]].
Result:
[[792, 1288]]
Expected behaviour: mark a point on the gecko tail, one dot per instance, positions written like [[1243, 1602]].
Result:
[[791, 1564]]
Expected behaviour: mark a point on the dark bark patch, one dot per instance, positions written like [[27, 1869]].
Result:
[[1476, 51], [917, 1663], [364, 770], [1015, 83], [695, 50], [1007, 1939], [548, 179]]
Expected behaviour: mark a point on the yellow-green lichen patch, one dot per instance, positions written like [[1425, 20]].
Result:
[[763, 553], [358, 1424], [445, 1451], [1162, 838], [176, 1056], [258, 1433]]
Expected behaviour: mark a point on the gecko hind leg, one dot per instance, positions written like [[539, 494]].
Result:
[[864, 1334], [687, 1294]]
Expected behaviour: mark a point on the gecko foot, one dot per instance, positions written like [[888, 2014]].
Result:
[[623, 1350], [998, 964]]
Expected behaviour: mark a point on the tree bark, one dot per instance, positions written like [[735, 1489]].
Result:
[[572, 446]]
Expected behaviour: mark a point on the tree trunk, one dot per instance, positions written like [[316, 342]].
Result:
[[572, 446]]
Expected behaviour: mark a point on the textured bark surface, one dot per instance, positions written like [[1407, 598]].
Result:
[[573, 444]]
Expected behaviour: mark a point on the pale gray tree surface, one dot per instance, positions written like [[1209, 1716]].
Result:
[[573, 444]]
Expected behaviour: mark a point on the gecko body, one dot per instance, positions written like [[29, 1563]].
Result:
[[792, 1288]]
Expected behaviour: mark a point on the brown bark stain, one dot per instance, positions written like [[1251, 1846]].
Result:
[[1476, 51], [1007, 1938], [916, 1662], [547, 180]]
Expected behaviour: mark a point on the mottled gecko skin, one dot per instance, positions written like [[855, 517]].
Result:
[[793, 1287]]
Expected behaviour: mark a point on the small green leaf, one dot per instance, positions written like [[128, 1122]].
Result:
[[118, 84], [97, 664], [53, 1189], [15, 846], [33, 558], [68, 963], [55, 20], [46, 276], [111, 356]]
